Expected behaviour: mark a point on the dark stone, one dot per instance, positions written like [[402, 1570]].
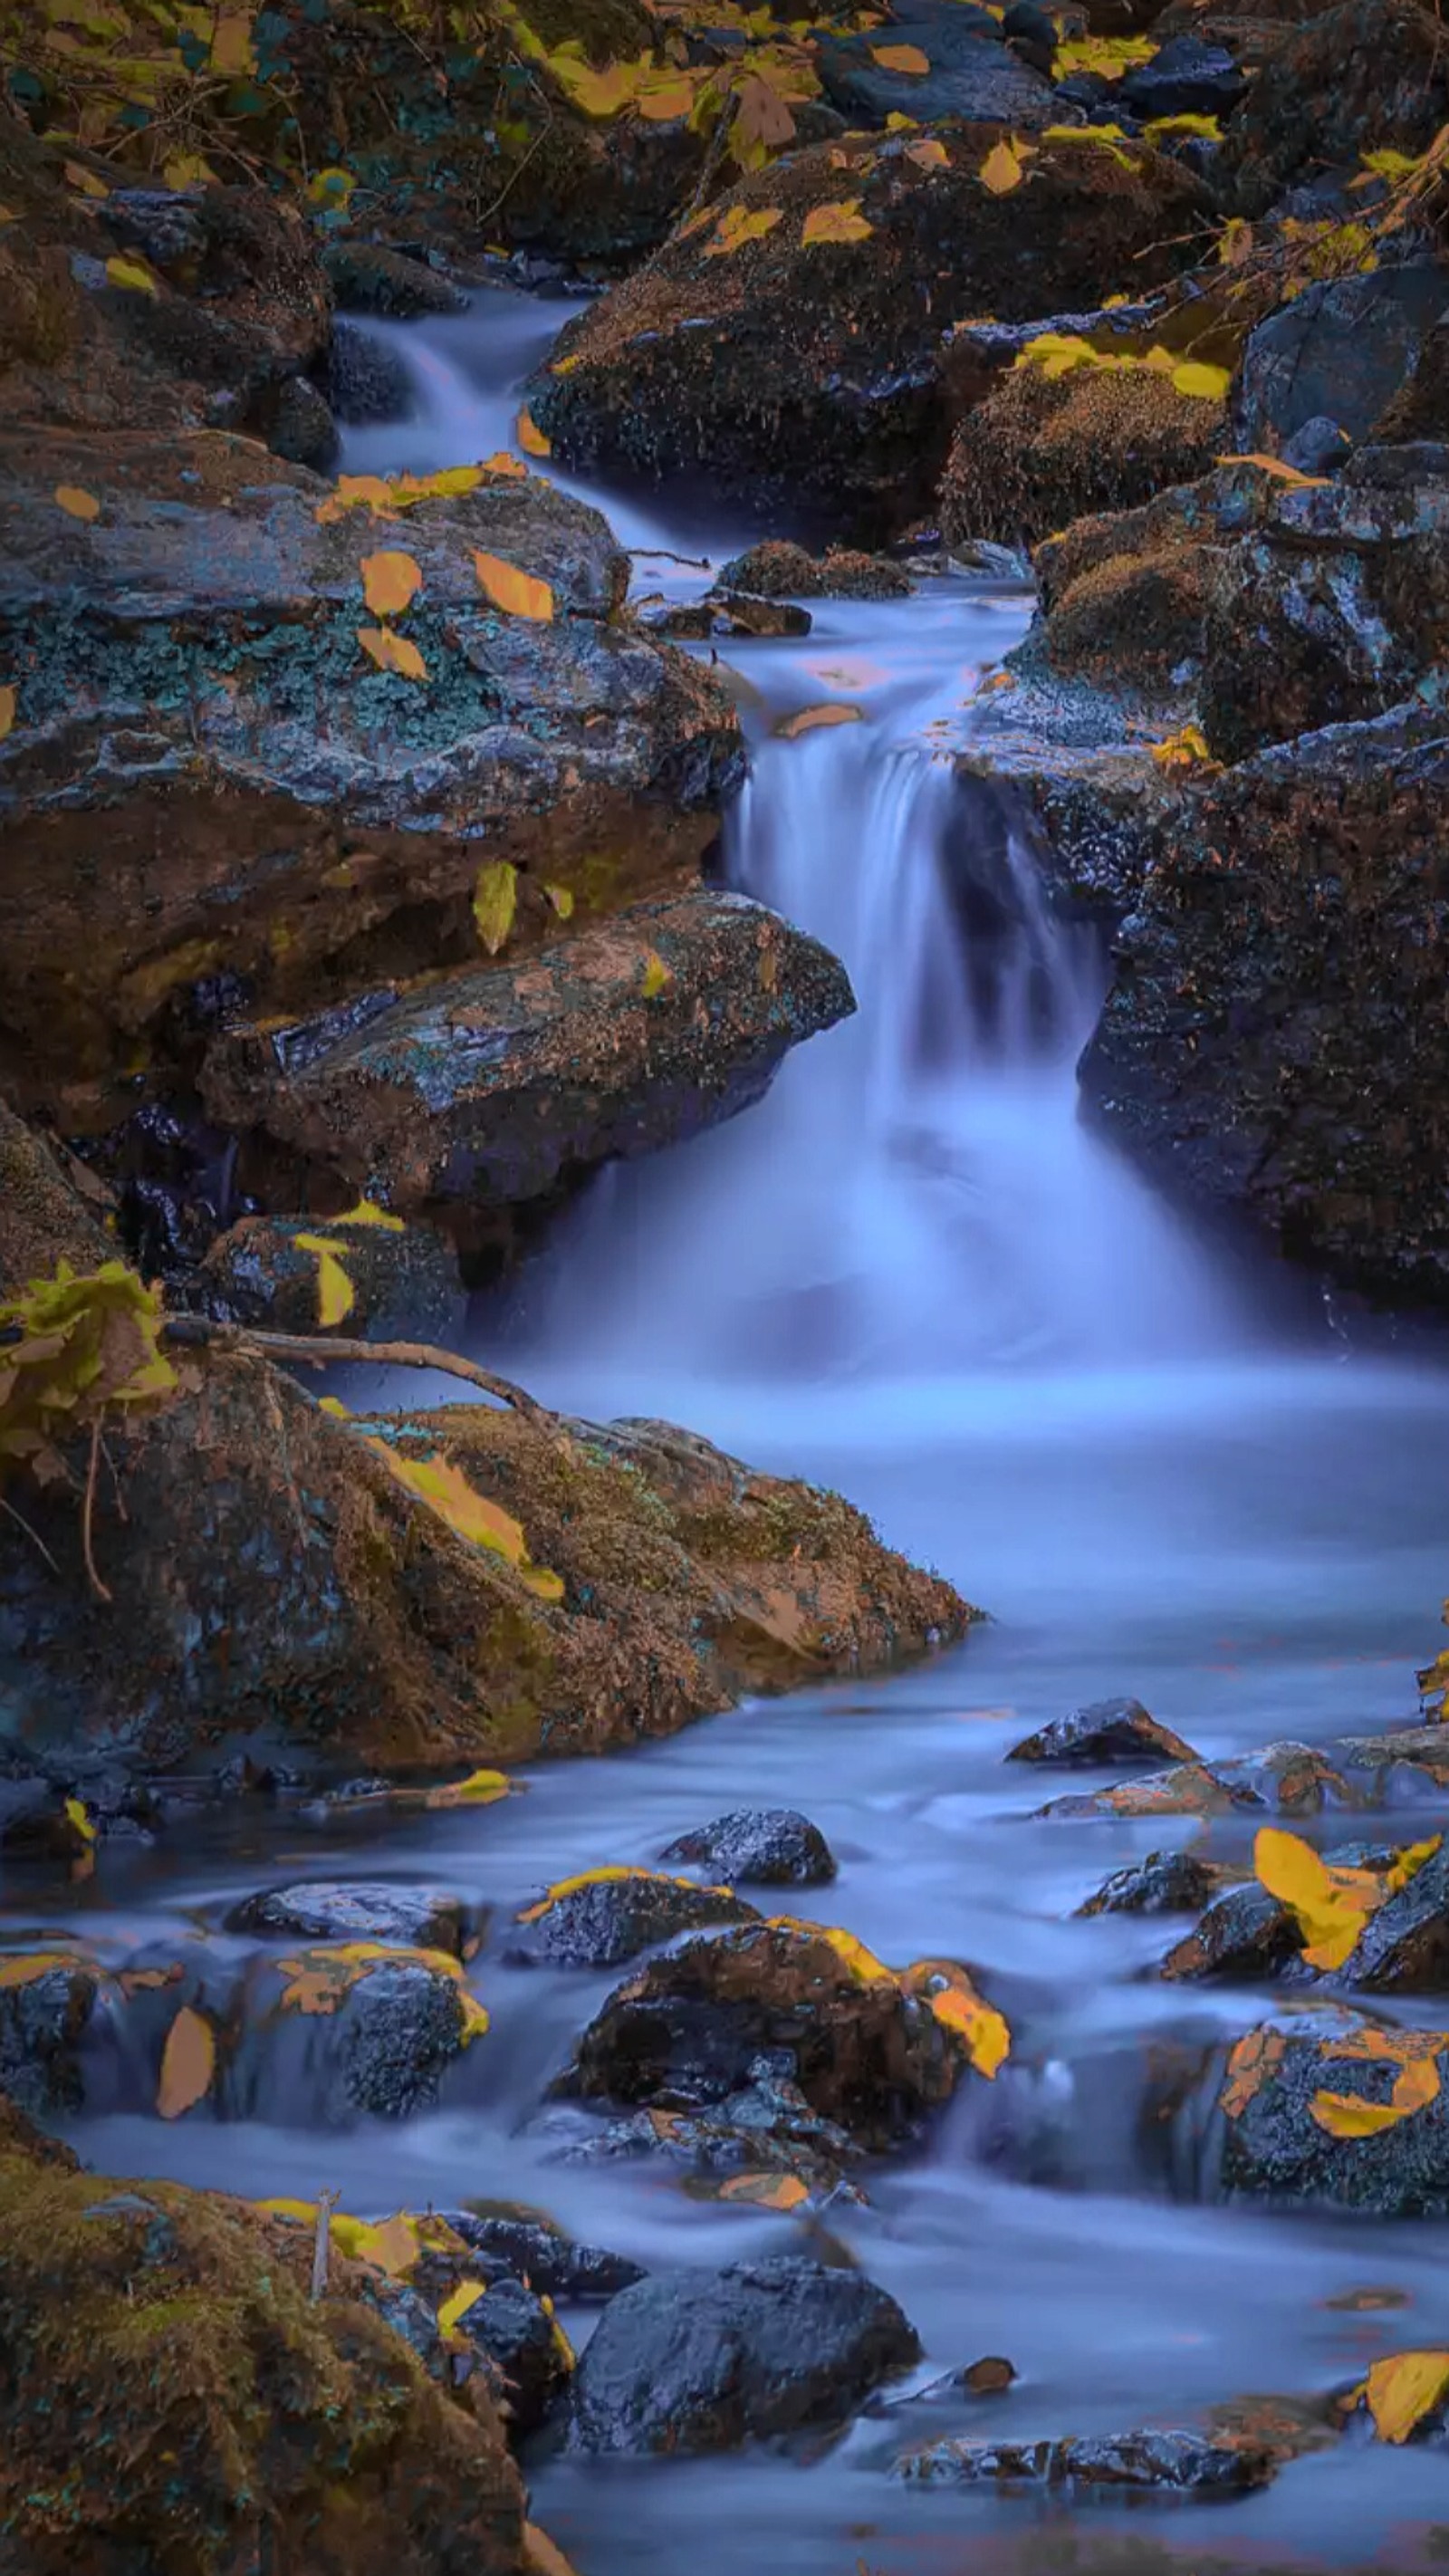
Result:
[[1404, 1947], [1254, 2135], [764, 2139], [366, 278], [1338, 353], [1367, 75], [366, 377], [1184, 78], [425, 1918], [1108, 1730], [776, 569], [759, 1846], [1319, 447], [1244, 1934], [697, 2361], [406, 1285], [604, 1921], [511, 2325], [299, 426], [42, 2024], [397, 2034], [1167, 2463], [1164, 1883], [550, 2262], [973, 74]]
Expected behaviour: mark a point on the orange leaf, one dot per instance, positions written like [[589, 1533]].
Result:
[[929, 155], [1275, 466], [667, 100], [810, 718], [542, 2556], [516, 592], [188, 2064], [530, 437], [1347, 2115], [77, 504], [507, 465], [841, 222], [392, 652], [1002, 169], [390, 583], [766, 2190], [1403, 2389], [902, 58], [738, 225]]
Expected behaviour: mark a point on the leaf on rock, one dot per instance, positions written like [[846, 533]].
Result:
[[1186, 749], [1003, 168], [367, 1212], [1332, 1905], [1349, 2115], [87, 181], [902, 58], [763, 123], [861, 1962], [663, 97], [390, 582], [1275, 466], [608, 1874], [455, 2307], [495, 902], [1200, 382], [7, 711], [518, 593], [510, 467], [188, 2063], [766, 2190], [392, 652], [841, 222], [738, 225], [78, 1819], [77, 503], [809, 720], [929, 154], [657, 977], [1402, 2389], [530, 437], [952, 1997], [336, 1295], [30, 1966], [130, 274], [446, 1490], [562, 899], [542, 2556], [331, 189]]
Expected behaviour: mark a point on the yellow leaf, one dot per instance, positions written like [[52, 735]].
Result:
[[657, 977], [1411, 1860], [455, 2307], [1348, 2115], [1002, 169], [530, 437], [390, 583], [32, 1965], [1200, 382], [7, 711], [331, 187], [129, 273], [542, 2556], [766, 2190], [902, 58], [334, 1405], [446, 1491], [562, 899], [1391, 165], [336, 1296], [1235, 242], [392, 652], [495, 901], [76, 503], [1405, 2388], [809, 719], [480, 1789], [86, 180], [188, 2063], [861, 1962], [231, 45], [929, 155], [509, 466], [508, 588], [367, 1212], [1207, 126], [738, 225], [1184, 750], [188, 170], [76, 1815], [842, 222], [665, 98], [956, 2005]]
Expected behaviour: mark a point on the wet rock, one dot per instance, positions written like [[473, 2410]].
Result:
[[1271, 2125], [866, 2049], [362, 2030], [1244, 1933], [366, 277], [761, 1847], [1186, 77], [518, 2333], [195, 690], [694, 362], [299, 425], [1107, 1730], [728, 613], [776, 569], [1290, 1779], [693, 2361], [1271, 1034], [495, 1084], [1404, 1947], [1189, 1789], [535, 2251], [610, 1915], [971, 73], [990, 2377], [302, 1596], [1319, 447], [405, 1283], [1169, 2463], [426, 1918], [1249, 30], [241, 252], [1418, 415], [336, 2447], [1038, 452], [1164, 1883], [1342, 349], [46, 2002], [367, 380], [762, 2145], [1364, 77]]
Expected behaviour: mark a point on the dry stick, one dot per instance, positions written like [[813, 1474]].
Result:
[[321, 1350], [22, 1523], [326, 2202], [88, 1513]]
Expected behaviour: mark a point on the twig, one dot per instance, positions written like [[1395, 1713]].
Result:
[[88, 1513], [665, 554], [715, 151], [326, 2202], [22, 1523], [321, 1350]]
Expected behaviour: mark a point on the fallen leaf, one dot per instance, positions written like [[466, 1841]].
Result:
[[367, 1212], [76, 503], [1275, 466], [530, 437], [188, 2063], [1403, 2389], [480, 1789], [85, 180], [809, 719], [766, 2190], [516, 592], [562, 899], [929, 155], [331, 188], [1348, 2115], [657, 977], [608, 1874], [841, 222], [902, 58], [1003, 169], [79, 1820], [738, 225], [446, 1490], [1200, 382], [542, 2556], [456, 2306], [495, 902], [31, 1965], [390, 583], [130, 274], [392, 652], [336, 1295], [1185, 749], [511, 467], [7, 711]]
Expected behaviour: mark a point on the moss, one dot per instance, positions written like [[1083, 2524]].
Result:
[[1039, 453]]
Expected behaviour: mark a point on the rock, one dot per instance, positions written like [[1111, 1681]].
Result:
[[1419, 411], [301, 1597], [535, 2251], [45, 1219], [609, 1915], [695, 361], [241, 253], [1108, 1730], [727, 612], [866, 2048], [1185, 77], [1174, 2463], [405, 1284], [521, 2338], [763, 1846], [355, 2029], [499, 1083], [195, 691], [1266, 2126], [1272, 1034], [1249, 30], [1164, 1883], [967, 71], [299, 426], [1293, 1779], [762, 2144], [1189, 1789], [308, 2428], [1319, 447], [1364, 77], [366, 277], [777, 569], [1245, 1933], [366, 378], [426, 1918], [1038, 452], [1404, 1947], [990, 2377], [693, 2361], [1342, 349], [46, 2002]]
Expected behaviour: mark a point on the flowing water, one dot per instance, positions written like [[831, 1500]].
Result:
[[912, 1272]]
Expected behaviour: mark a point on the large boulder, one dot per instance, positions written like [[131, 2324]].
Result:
[[1273, 1040], [206, 747], [173, 2395], [496, 1085], [1340, 351], [934, 59], [695, 2361], [789, 340], [1367, 76], [1040, 451]]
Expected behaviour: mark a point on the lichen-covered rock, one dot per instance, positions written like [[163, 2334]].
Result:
[[697, 2361], [202, 735], [790, 339], [1105, 1731], [173, 2396], [764, 1846], [610, 1915], [498, 1084], [1161, 2463], [426, 1918], [1275, 2119], [43, 1218], [405, 1284], [356, 2029], [284, 1586], [726, 613], [1366, 76], [1273, 1037], [1039, 451], [776, 569]]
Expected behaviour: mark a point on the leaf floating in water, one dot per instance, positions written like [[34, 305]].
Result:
[[480, 1789], [516, 592], [390, 582], [392, 652], [1405, 2388], [809, 719], [336, 1295], [77, 503], [766, 2190], [188, 2063], [495, 902]]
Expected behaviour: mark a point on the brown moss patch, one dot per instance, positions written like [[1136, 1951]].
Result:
[[1037, 453]]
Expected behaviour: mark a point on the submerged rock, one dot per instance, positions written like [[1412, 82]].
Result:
[[1168, 2463], [763, 1846], [427, 1918], [699, 2361], [609, 1915], [1108, 1730]]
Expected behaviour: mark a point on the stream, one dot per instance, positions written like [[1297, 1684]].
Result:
[[1165, 1469]]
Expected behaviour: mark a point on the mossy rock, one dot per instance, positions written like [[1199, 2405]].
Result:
[[1039, 452]]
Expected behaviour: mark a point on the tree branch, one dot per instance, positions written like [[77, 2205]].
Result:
[[325, 1350]]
